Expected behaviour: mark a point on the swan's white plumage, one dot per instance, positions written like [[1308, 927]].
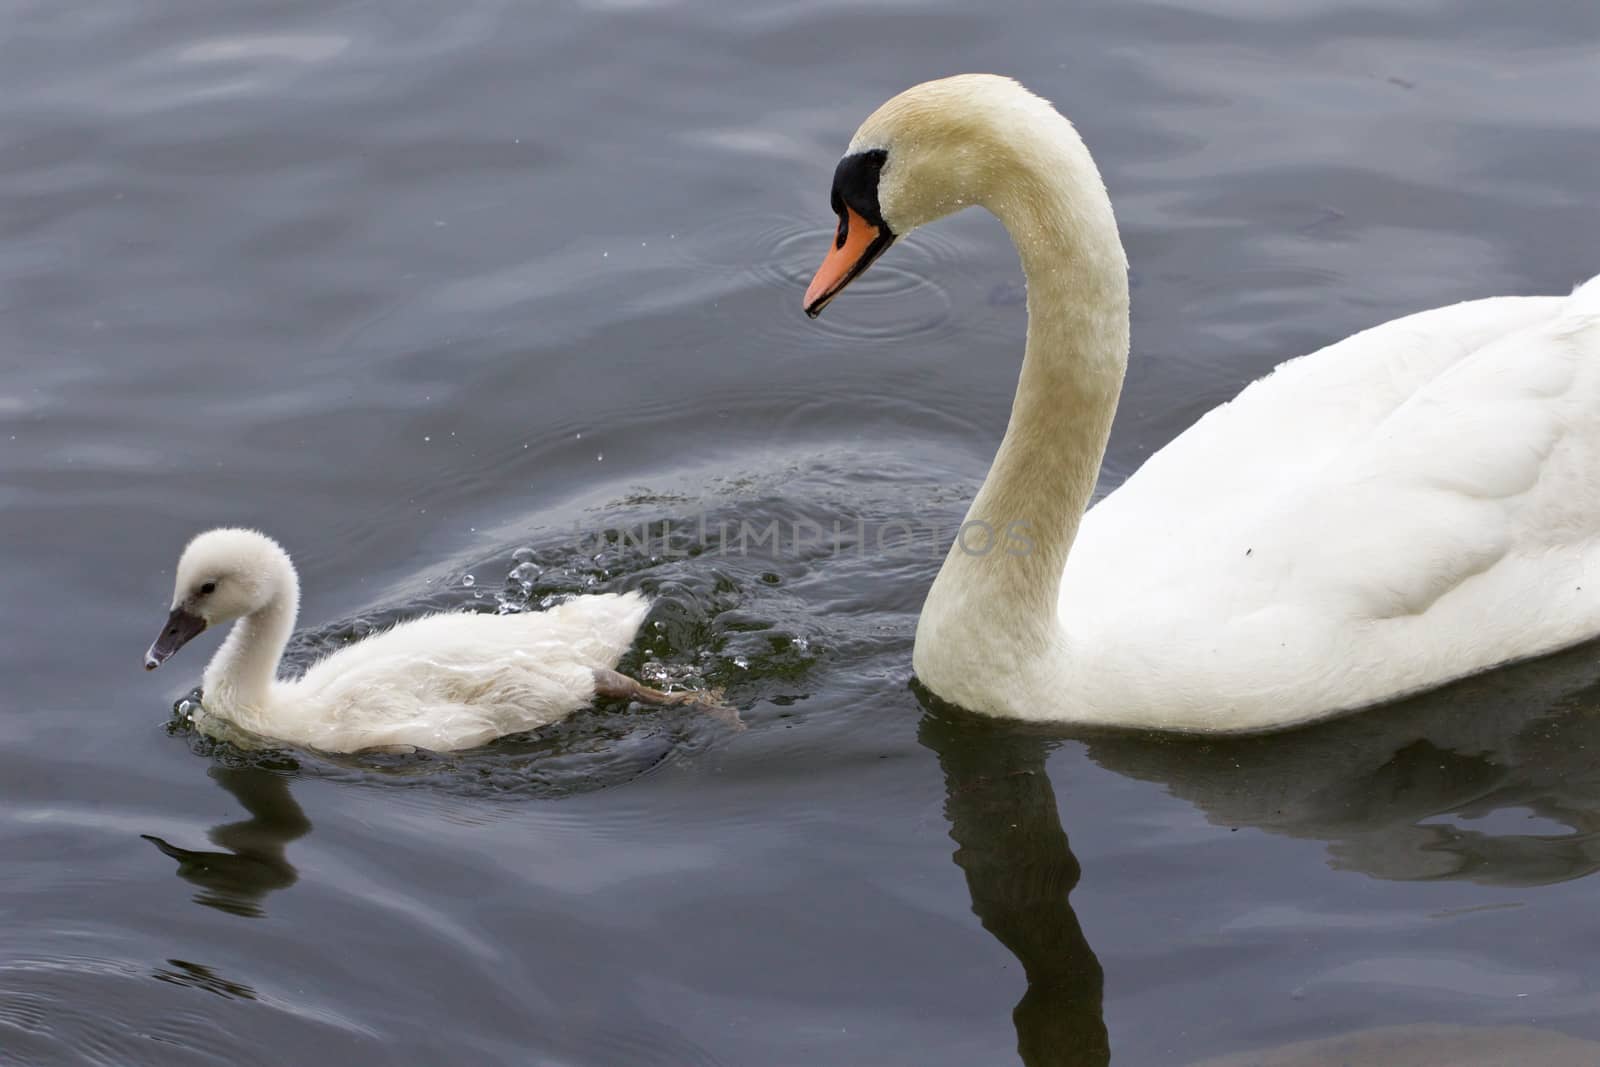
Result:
[[444, 681], [1411, 505]]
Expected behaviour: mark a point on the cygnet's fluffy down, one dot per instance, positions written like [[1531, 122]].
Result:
[[441, 682]]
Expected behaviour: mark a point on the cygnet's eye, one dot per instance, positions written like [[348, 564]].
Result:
[[208, 588]]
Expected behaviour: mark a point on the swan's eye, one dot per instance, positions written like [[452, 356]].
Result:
[[208, 588]]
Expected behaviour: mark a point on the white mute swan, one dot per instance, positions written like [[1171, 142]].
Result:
[[441, 682], [1414, 504]]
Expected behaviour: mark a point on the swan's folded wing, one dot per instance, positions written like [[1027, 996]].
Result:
[[1497, 458], [1456, 532], [1210, 490]]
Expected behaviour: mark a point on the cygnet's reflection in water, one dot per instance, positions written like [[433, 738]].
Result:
[[1389, 791], [254, 864], [1020, 871]]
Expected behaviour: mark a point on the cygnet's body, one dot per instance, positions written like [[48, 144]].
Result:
[[445, 681]]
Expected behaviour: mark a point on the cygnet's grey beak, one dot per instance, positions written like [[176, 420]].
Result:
[[180, 629]]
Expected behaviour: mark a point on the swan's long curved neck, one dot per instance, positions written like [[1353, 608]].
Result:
[[241, 675], [1001, 604]]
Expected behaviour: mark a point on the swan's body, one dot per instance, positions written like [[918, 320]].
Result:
[[1414, 504], [440, 682]]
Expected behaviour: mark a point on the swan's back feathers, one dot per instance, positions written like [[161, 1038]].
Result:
[[1397, 509], [456, 680], [1312, 408]]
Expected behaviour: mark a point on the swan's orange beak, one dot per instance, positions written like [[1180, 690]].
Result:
[[855, 246]]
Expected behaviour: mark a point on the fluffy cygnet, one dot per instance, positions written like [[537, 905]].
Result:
[[444, 681]]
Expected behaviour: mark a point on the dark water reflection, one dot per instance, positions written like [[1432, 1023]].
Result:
[[256, 861], [1392, 794], [1492, 781], [1021, 872]]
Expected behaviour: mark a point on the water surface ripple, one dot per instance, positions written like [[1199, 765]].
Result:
[[486, 289]]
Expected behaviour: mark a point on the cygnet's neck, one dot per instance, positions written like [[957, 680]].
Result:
[[240, 677], [996, 609]]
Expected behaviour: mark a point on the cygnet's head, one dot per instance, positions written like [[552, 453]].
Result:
[[936, 148], [223, 575]]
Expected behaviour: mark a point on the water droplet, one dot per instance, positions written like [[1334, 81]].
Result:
[[468, 580], [525, 574], [426, 438], [524, 555], [598, 456], [742, 663]]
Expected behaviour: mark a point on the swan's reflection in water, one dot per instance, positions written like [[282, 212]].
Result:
[[255, 863], [1494, 781], [1020, 872]]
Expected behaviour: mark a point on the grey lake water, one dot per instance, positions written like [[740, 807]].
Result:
[[477, 304]]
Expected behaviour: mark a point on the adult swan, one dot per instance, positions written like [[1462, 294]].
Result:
[[1414, 504]]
